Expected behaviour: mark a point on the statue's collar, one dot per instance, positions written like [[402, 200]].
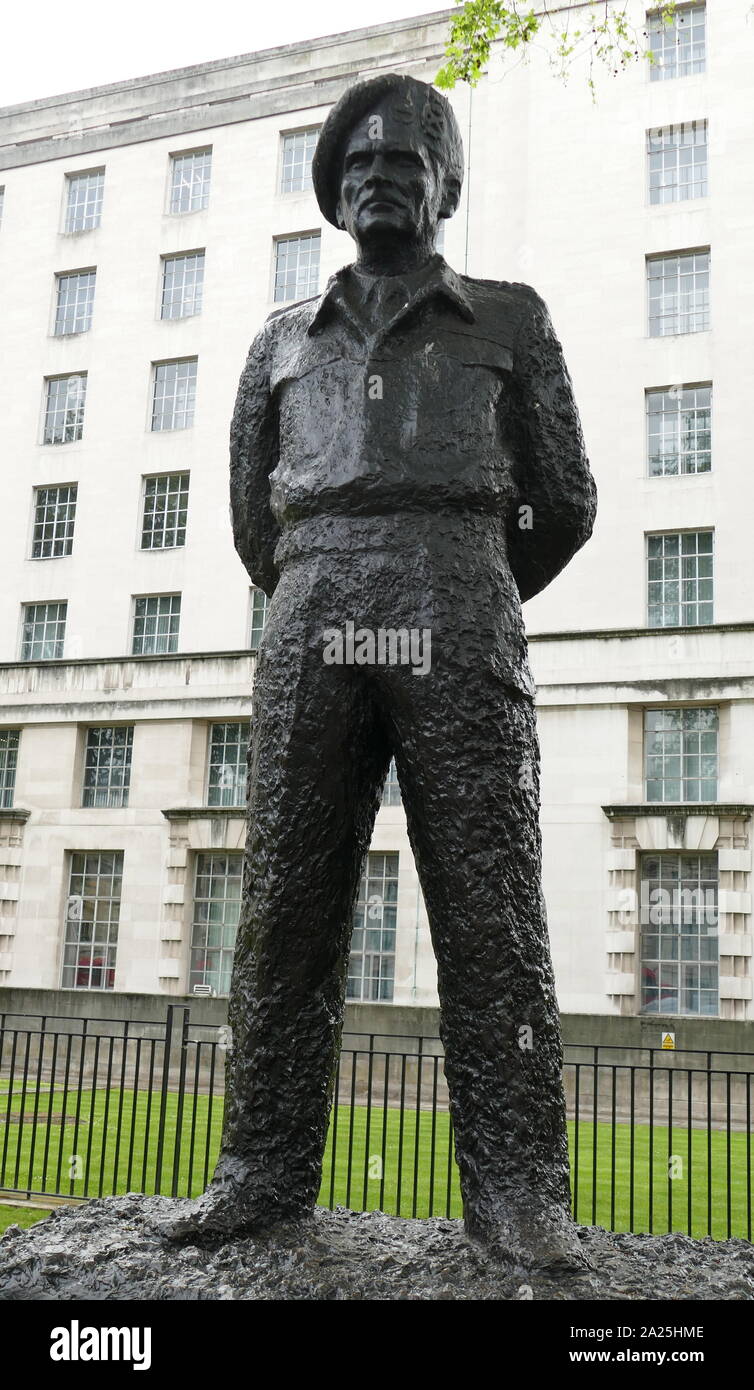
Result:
[[436, 278]]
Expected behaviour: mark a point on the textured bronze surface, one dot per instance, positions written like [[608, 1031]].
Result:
[[406, 455]]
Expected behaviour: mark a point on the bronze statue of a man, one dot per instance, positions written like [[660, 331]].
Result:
[[405, 455]]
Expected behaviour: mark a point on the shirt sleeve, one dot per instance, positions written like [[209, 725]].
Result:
[[554, 510], [253, 456]]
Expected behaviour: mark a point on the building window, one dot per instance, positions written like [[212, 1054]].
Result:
[[182, 285], [83, 209], [156, 623], [679, 436], [680, 754], [677, 160], [107, 768], [64, 408], [297, 266], [258, 616], [189, 181], [91, 923], [174, 395], [217, 905], [54, 520], [43, 631], [679, 579], [227, 764], [677, 47], [73, 312], [391, 792], [165, 511], [678, 293], [8, 760], [371, 967], [679, 941], [298, 150]]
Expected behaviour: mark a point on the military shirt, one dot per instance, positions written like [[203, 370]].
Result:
[[426, 393]]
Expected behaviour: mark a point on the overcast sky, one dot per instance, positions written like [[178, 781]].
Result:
[[49, 47]]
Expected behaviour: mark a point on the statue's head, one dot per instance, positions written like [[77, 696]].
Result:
[[389, 161]]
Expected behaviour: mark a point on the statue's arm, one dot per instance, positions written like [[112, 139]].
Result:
[[553, 476], [253, 456]]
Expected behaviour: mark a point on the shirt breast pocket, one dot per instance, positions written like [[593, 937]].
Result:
[[472, 351]]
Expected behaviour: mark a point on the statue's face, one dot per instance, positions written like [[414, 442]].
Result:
[[389, 185]]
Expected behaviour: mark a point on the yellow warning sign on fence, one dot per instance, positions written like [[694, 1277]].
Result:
[[668, 1042]]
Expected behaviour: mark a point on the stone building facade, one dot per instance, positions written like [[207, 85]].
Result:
[[148, 228]]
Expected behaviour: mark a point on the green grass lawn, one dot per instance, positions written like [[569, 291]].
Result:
[[20, 1216], [380, 1161]]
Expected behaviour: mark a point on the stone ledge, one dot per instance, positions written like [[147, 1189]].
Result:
[[663, 809]]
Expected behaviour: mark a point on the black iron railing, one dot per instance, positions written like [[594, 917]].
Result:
[[659, 1140]]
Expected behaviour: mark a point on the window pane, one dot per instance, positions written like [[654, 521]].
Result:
[[107, 770], [94, 890], [258, 616], [217, 888], [678, 288], [677, 162], [156, 624], [64, 408], [679, 430], [43, 631], [298, 149], [84, 202], [677, 46], [54, 519], [182, 285], [670, 603], [75, 302], [9, 739], [227, 764], [297, 267], [371, 968], [174, 395], [165, 511], [189, 181], [674, 769]]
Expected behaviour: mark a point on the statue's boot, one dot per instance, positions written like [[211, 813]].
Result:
[[233, 1205], [532, 1235]]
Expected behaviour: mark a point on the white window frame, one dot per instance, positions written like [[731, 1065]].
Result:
[[69, 177], [44, 603], [165, 257], [51, 487], [690, 531], [313, 233], [147, 598], [191, 153], [113, 796], [678, 389], [74, 914], [47, 382], [59, 276], [678, 331], [172, 362], [671, 143], [286, 135], [180, 474], [238, 785]]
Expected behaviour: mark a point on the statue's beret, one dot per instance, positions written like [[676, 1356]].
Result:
[[414, 102]]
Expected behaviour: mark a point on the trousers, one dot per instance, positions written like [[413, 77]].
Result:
[[463, 734]]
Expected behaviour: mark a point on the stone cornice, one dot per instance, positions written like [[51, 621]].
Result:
[[664, 809]]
